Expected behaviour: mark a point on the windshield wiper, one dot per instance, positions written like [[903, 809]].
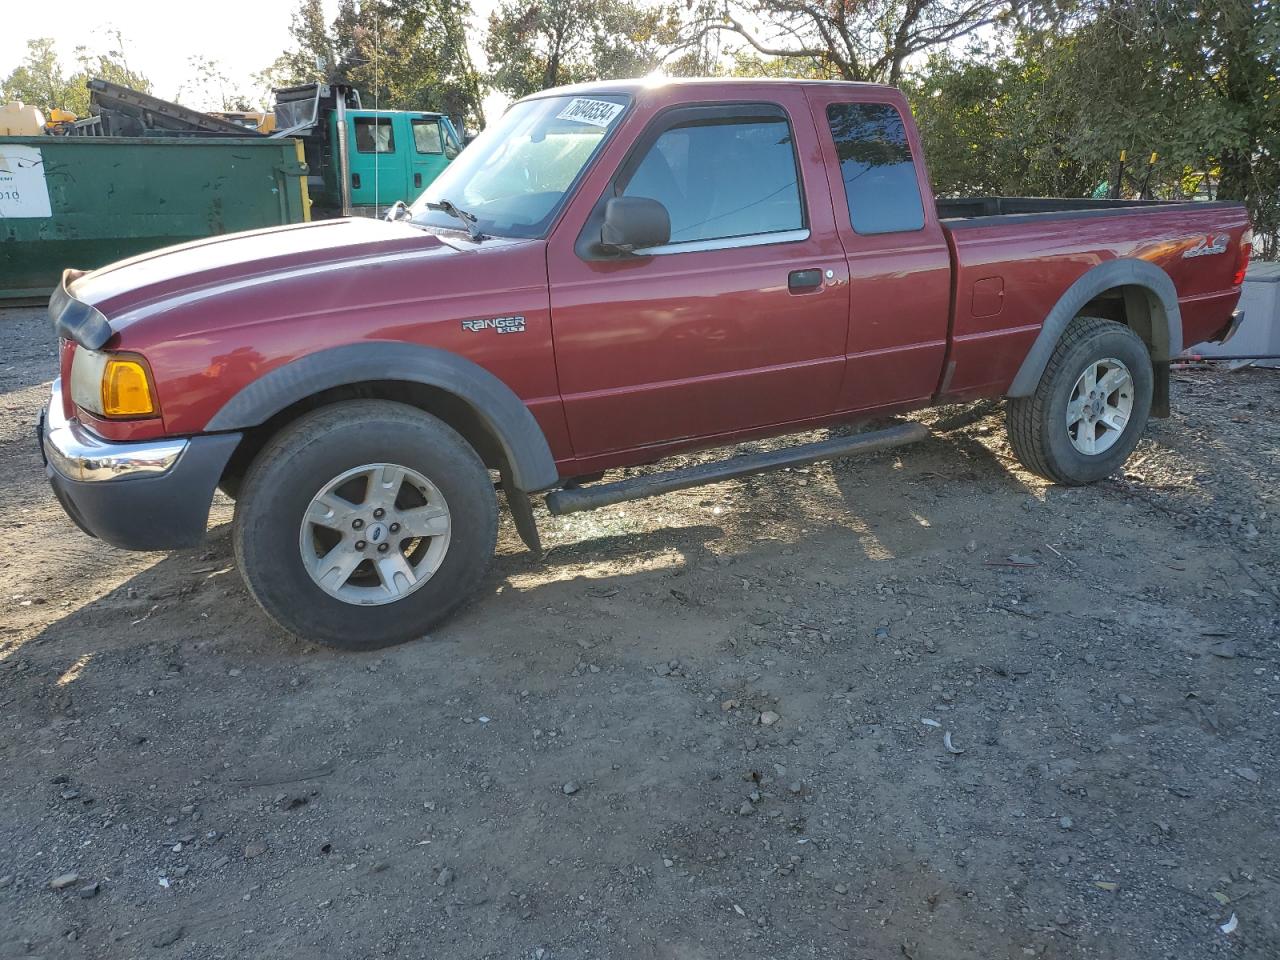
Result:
[[469, 220]]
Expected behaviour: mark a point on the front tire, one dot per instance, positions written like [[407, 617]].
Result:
[[1090, 407], [362, 524]]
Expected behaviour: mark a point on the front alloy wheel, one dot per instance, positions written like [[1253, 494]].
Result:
[[375, 533], [364, 523]]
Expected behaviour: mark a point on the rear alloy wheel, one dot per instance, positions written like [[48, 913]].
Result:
[[362, 524], [1100, 406], [1090, 407]]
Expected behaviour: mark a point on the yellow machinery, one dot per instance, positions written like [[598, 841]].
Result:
[[18, 119]]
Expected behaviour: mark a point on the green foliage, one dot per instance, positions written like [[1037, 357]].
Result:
[[989, 125], [41, 80], [400, 54], [535, 44], [1048, 108]]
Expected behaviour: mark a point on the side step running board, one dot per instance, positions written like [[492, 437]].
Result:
[[606, 494]]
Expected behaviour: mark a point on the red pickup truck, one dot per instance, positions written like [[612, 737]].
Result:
[[611, 273]]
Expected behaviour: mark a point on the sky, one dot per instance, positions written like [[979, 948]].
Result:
[[161, 35]]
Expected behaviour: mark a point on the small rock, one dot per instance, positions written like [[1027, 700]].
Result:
[[90, 891], [841, 889], [1225, 649], [187, 810], [69, 794], [1066, 823], [255, 849], [746, 809], [445, 877], [1247, 773], [234, 672], [172, 935], [62, 881], [769, 718], [796, 787], [1126, 700], [220, 863], [571, 788]]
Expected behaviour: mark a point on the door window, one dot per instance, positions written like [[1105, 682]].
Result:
[[879, 176], [374, 135], [723, 179], [427, 137]]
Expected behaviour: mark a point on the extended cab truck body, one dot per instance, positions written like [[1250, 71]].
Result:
[[612, 273]]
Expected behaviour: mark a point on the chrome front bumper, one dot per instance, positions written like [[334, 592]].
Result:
[[152, 495], [79, 455]]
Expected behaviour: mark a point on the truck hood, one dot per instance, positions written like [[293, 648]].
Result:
[[173, 276]]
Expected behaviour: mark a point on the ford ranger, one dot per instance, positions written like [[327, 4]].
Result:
[[611, 273]]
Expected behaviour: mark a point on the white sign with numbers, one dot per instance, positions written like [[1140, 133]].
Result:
[[23, 191]]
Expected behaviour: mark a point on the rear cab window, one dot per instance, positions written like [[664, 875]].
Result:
[[879, 175], [723, 178]]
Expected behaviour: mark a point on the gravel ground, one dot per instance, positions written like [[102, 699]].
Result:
[[918, 706]]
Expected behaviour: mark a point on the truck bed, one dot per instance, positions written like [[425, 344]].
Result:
[[1013, 256]]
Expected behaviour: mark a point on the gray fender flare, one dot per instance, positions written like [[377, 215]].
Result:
[[1156, 300], [502, 413]]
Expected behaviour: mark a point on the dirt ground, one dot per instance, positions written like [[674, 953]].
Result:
[[713, 724]]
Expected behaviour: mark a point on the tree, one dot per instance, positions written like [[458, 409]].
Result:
[[403, 54], [209, 87], [1197, 83], [1047, 107], [990, 127], [864, 40], [535, 44], [40, 79]]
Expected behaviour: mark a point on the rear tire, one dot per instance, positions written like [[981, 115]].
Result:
[[1090, 407], [364, 523]]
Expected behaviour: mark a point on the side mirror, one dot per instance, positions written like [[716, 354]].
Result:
[[634, 223]]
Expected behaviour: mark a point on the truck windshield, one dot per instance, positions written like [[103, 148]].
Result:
[[517, 173]]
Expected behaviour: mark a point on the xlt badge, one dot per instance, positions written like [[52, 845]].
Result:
[[501, 324]]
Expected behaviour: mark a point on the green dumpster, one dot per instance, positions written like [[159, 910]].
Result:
[[87, 201]]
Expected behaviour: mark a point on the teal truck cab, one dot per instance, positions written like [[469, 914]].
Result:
[[362, 161], [391, 155]]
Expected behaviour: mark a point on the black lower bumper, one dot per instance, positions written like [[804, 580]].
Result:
[[158, 512]]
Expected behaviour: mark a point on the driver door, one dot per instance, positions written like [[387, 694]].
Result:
[[740, 321]]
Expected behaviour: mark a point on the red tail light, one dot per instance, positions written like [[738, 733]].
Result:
[[1242, 265]]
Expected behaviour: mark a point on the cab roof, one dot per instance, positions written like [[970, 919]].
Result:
[[703, 85]]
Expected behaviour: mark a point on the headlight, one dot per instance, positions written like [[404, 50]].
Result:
[[111, 384]]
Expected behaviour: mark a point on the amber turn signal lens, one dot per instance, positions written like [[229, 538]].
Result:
[[126, 392]]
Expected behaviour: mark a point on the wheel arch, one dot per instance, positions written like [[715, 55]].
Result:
[[483, 409], [1133, 292]]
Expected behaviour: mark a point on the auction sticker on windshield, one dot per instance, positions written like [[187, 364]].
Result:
[[598, 113]]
